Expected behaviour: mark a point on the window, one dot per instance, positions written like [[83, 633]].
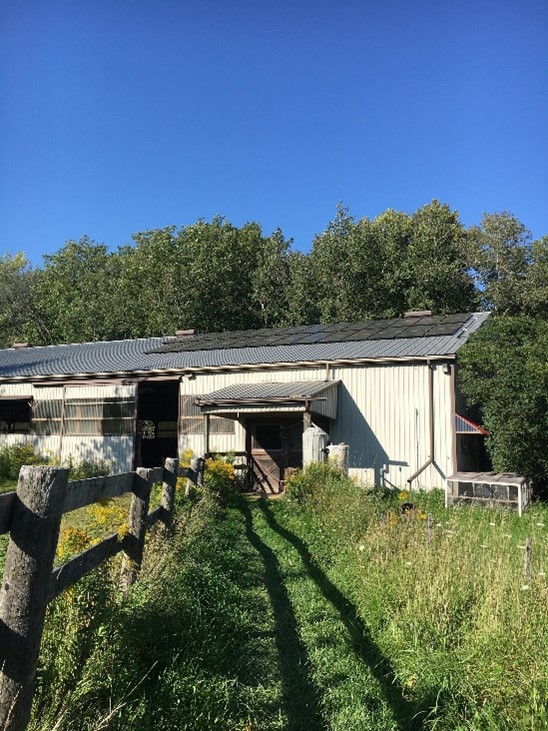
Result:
[[192, 419], [15, 414], [84, 417]]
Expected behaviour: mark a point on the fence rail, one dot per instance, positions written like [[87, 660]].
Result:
[[32, 516]]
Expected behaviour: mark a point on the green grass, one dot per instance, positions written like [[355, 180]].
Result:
[[328, 610]]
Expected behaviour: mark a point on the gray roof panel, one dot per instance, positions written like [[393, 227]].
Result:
[[127, 356]]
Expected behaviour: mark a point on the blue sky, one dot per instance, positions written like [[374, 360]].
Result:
[[118, 116]]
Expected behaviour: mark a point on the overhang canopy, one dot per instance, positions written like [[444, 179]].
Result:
[[316, 397]]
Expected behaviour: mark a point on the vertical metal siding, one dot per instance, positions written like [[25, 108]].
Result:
[[116, 450], [384, 417]]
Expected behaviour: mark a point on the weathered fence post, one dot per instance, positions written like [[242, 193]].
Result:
[[171, 469], [34, 533], [195, 474], [134, 540], [429, 527]]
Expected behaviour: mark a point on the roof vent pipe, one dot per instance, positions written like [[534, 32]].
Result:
[[418, 313]]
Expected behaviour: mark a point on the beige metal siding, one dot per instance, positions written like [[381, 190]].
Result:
[[116, 450], [384, 417], [207, 383]]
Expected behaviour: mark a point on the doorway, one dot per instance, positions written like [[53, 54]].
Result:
[[157, 419], [275, 444]]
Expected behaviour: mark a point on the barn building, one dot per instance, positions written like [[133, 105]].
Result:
[[387, 388]]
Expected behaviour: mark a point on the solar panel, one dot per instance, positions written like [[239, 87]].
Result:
[[405, 327]]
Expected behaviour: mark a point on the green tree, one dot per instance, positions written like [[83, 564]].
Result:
[[499, 255], [504, 371], [536, 281], [271, 280], [302, 304], [436, 263], [348, 267], [20, 319], [77, 293], [393, 231], [152, 283]]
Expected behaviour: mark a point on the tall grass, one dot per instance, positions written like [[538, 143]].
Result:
[[188, 647], [466, 637]]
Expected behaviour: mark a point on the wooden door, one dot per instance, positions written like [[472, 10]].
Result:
[[275, 446]]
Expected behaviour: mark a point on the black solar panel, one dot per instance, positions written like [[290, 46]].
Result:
[[405, 327]]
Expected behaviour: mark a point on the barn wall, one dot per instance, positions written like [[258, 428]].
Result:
[[206, 383], [116, 450], [383, 414], [384, 417]]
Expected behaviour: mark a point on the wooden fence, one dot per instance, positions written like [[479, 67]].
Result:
[[32, 516]]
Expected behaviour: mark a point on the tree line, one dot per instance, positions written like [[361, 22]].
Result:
[[214, 276]]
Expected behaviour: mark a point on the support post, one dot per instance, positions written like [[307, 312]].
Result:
[[206, 435], [134, 541], [25, 587], [171, 468]]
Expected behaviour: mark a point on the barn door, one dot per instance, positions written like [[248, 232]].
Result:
[[275, 446]]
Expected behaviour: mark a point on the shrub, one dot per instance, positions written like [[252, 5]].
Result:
[[219, 477], [303, 484], [14, 456]]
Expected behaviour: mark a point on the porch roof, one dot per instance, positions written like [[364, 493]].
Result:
[[318, 397]]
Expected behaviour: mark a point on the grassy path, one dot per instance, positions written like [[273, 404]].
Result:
[[334, 669], [233, 628]]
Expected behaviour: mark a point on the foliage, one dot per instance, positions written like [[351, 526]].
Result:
[[213, 276], [219, 477], [20, 320], [499, 250], [444, 612], [86, 469], [78, 295], [302, 484], [14, 456], [504, 371], [436, 263]]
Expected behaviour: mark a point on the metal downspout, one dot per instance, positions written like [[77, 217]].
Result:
[[430, 459]]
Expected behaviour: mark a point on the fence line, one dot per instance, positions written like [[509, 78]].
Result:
[[32, 516]]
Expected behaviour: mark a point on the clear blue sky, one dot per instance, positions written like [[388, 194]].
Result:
[[118, 116]]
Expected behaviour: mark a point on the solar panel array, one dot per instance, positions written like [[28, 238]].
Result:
[[404, 327]]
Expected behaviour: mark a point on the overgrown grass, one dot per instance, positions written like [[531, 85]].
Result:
[[189, 647], [329, 610], [464, 636]]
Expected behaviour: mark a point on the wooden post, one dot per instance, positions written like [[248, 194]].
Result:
[[206, 435], [192, 478], [134, 541], [24, 592], [171, 469], [527, 562]]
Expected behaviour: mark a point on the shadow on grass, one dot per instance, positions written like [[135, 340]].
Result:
[[364, 646], [300, 697]]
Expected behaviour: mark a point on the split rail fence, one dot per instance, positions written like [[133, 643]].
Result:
[[32, 516]]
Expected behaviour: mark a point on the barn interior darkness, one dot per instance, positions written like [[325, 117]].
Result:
[[157, 416]]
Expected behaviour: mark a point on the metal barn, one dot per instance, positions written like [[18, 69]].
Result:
[[387, 388]]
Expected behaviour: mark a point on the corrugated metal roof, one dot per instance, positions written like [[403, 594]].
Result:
[[290, 391], [127, 356]]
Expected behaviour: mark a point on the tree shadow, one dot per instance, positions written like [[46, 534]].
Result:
[[405, 713], [300, 697]]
